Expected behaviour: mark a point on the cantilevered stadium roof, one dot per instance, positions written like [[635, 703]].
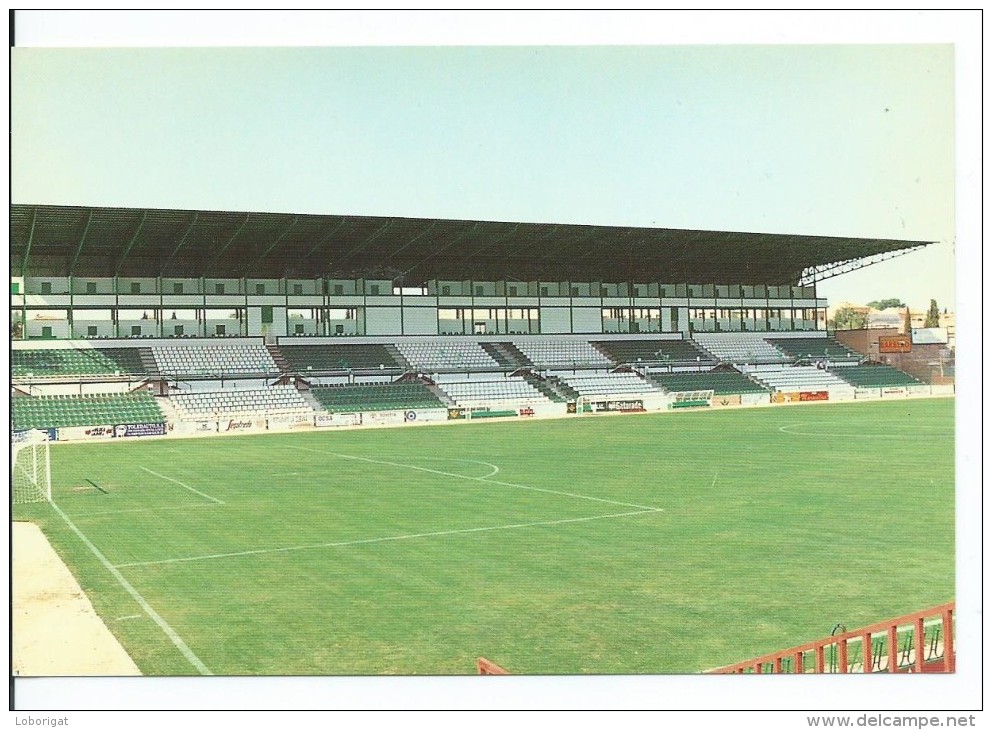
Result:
[[138, 242]]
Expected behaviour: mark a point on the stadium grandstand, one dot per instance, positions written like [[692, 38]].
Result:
[[208, 315], [131, 323]]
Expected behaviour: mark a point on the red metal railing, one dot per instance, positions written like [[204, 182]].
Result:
[[911, 657]]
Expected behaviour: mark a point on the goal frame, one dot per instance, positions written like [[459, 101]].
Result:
[[35, 445]]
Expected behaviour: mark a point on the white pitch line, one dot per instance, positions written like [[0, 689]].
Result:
[[100, 513], [715, 475], [184, 486], [392, 538], [176, 639], [786, 430], [484, 480]]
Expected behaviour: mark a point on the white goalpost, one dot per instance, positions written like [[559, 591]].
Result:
[[31, 470]]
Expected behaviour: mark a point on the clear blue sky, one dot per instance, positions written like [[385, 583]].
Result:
[[824, 140]]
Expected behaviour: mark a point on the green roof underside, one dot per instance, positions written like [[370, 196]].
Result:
[[48, 240]]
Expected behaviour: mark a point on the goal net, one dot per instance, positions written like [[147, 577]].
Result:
[[31, 473]]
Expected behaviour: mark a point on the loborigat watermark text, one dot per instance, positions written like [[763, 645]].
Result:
[[34, 721]]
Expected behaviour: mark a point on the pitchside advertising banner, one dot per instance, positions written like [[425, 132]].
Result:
[[238, 425], [187, 428], [618, 406], [383, 417], [127, 430], [324, 420], [808, 395], [892, 392], [53, 434], [753, 399], [83, 433], [290, 422], [867, 393]]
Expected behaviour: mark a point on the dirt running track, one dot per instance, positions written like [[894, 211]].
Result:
[[56, 632]]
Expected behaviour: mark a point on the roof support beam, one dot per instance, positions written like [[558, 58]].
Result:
[[409, 243], [272, 245], [27, 248], [813, 274], [364, 244], [487, 245], [324, 240], [441, 250], [130, 245], [82, 240], [229, 241], [180, 244]]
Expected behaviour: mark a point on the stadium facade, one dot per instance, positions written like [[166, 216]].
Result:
[[122, 273]]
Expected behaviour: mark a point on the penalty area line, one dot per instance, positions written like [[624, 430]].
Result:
[[392, 538], [485, 480], [175, 638], [184, 486]]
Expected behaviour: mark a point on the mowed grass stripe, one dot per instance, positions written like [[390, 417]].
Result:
[[392, 538], [768, 540], [486, 479]]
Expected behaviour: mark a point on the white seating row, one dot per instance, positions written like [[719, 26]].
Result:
[[516, 390], [552, 353], [446, 355], [278, 399], [740, 348], [800, 378], [608, 384], [213, 359]]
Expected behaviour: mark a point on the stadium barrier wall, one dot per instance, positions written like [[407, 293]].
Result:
[[430, 415], [326, 420], [290, 422], [755, 399], [85, 433], [241, 425], [128, 430], [867, 393], [194, 428]]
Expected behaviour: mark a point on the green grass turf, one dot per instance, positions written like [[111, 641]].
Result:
[[777, 524]]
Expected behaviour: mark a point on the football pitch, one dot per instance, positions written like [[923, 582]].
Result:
[[654, 544]]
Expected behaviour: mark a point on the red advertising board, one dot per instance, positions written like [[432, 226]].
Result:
[[895, 343]]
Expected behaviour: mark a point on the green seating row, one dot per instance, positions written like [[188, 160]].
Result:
[[59, 412], [105, 361], [721, 383], [813, 347], [338, 357], [874, 376], [346, 398], [654, 351]]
